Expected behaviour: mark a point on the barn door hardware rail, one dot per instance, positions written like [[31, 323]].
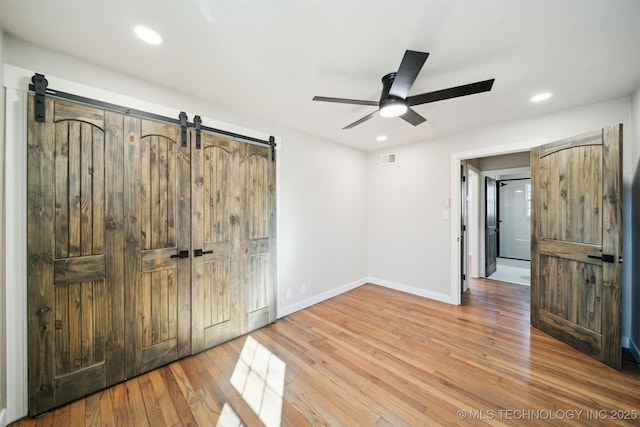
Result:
[[39, 86], [97, 103]]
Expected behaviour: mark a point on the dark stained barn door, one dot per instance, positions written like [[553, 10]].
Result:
[[74, 234], [575, 242], [157, 254], [233, 275], [143, 246], [216, 277], [257, 189]]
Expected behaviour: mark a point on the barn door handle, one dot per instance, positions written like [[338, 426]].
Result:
[[604, 258], [181, 254], [200, 252]]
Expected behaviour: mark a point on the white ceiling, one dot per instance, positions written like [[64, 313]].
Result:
[[269, 58]]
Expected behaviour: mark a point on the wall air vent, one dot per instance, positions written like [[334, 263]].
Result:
[[388, 159]]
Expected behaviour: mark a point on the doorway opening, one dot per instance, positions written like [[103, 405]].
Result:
[[497, 205]]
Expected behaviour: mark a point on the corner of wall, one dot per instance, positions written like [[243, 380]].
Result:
[[3, 321], [634, 339]]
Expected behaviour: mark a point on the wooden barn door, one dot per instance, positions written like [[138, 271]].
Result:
[[143, 246], [576, 242], [257, 241], [216, 278], [157, 251], [233, 276], [75, 235]]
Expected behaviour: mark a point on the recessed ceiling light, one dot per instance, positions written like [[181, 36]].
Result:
[[381, 138], [541, 97], [147, 34]]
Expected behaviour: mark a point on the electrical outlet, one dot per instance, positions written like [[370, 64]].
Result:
[[303, 288], [288, 293]]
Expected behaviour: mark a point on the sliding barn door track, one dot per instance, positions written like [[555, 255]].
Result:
[[39, 87]]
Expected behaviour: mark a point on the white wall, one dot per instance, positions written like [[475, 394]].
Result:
[[633, 264], [408, 239], [3, 322], [412, 247], [322, 227]]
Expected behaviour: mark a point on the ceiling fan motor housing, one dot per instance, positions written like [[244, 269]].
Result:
[[391, 106]]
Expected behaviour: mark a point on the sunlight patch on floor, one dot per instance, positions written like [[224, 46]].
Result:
[[259, 377], [228, 417]]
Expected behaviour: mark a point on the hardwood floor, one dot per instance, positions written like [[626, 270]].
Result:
[[378, 357]]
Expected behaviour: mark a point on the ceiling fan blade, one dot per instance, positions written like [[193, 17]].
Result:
[[359, 121], [452, 92], [410, 67], [346, 101], [412, 117]]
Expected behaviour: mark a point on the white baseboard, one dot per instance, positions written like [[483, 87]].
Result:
[[286, 310], [412, 290], [634, 349], [3, 418]]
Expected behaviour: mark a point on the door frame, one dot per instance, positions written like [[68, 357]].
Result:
[[456, 161], [16, 80]]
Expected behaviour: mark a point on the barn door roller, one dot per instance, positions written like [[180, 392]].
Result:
[[183, 128], [40, 87], [197, 123]]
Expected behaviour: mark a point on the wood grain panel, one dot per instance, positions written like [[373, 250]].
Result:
[[136, 207], [259, 285], [217, 295], [585, 139], [216, 278], [66, 110], [77, 269], [62, 189], [612, 244], [216, 206], [258, 261], [576, 291], [116, 286], [158, 191], [80, 171], [539, 207], [258, 197]]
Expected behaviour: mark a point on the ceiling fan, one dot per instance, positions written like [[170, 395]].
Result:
[[394, 100]]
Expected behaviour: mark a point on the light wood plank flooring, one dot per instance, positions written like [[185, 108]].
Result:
[[378, 357]]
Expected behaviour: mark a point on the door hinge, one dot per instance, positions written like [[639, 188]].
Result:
[[183, 128], [464, 277], [40, 87], [197, 122]]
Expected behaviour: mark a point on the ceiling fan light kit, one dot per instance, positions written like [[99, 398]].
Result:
[[394, 99], [392, 107]]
